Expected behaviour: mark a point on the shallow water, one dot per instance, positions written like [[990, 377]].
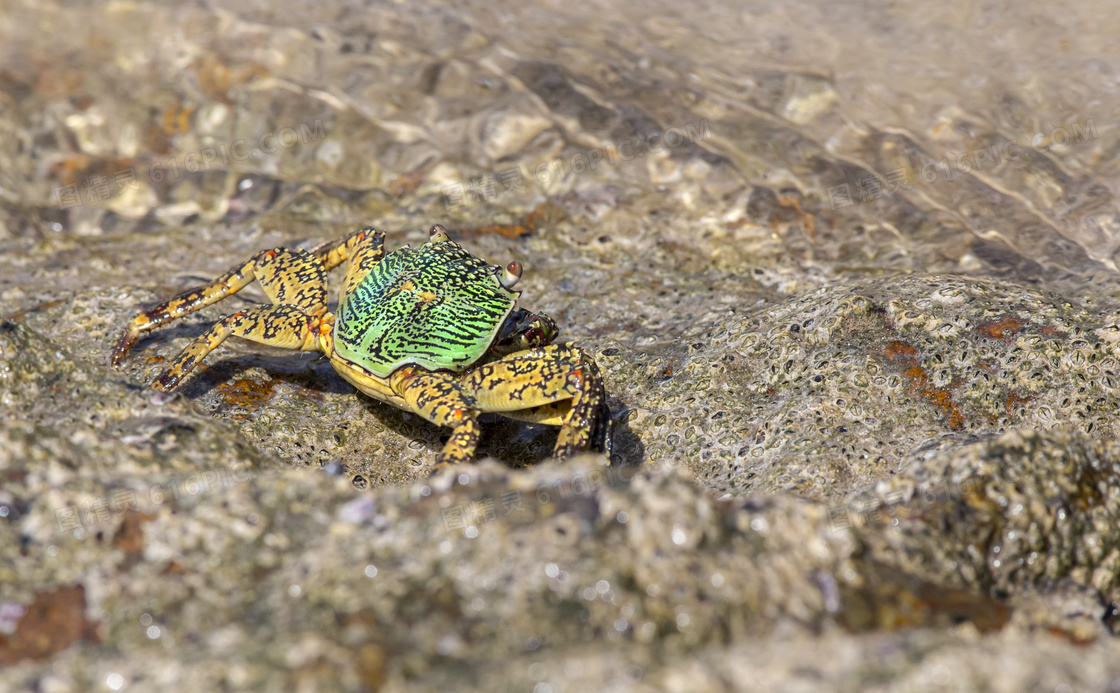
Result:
[[939, 138]]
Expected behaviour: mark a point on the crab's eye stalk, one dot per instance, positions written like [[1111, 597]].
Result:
[[511, 274], [438, 234]]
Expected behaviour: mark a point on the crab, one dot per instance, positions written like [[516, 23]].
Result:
[[431, 330]]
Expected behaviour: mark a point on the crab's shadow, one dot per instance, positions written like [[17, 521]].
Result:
[[311, 376], [511, 442]]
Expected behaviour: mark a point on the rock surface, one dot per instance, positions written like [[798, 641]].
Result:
[[865, 420]]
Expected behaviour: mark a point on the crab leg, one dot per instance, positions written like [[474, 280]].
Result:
[[557, 384], [329, 256], [183, 304], [280, 325], [295, 282], [364, 249], [439, 398]]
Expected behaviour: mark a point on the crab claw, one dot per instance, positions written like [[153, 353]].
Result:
[[511, 275], [438, 234]]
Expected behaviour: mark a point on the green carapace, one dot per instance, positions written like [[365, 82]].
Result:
[[436, 306]]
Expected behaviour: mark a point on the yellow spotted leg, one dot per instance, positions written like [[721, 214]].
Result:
[[296, 283], [281, 326], [328, 256], [557, 384], [363, 249], [439, 398]]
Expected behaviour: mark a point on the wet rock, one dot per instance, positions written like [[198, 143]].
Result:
[[862, 372], [484, 564], [829, 392]]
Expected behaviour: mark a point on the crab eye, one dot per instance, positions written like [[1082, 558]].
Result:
[[438, 234], [511, 275]]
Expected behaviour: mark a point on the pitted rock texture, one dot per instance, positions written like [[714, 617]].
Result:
[[833, 390], [488, 565], [1025, 510]]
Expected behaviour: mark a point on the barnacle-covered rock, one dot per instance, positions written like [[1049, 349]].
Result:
[[833, 390]]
